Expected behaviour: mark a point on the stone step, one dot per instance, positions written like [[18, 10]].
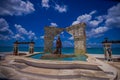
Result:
[[59, 66], [61, 72], [20, 74], [66, 74]]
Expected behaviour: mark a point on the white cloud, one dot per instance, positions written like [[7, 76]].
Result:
[[114, 11], [22, 33], [113, 17], [5, 31], [20, 29], [87, 18], [93, 12], [84, 18], [57, 7], [75, 22], [15, 7], [67, 44], [100, 30], [42, 37], [31, 35], [102, 22], [71, 38], [45, 3], [97, 32], [92, 22], [61, 9], [18, 36], [2, 37], [53, 24], [62, 33], [95, 23]]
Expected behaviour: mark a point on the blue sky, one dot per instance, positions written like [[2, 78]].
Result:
[[24, 20]]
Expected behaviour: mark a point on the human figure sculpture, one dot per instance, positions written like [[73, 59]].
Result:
[[58, 45]]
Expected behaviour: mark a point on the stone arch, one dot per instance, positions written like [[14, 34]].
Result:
[[77, 31]]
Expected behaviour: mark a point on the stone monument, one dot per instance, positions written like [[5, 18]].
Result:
[[77, 31]]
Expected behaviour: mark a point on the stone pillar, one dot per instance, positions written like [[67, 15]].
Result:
[[48, 43], [78, 32], [31, 48], [15, 49], [50, 33]]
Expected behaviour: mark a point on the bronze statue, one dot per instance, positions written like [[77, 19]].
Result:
[[58, 46]]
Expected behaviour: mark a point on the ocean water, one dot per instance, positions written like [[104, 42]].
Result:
[[64, 50]]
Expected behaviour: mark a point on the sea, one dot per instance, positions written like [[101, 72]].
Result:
[[68, 50]]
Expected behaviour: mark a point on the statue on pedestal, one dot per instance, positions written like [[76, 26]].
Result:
[[58, 46]]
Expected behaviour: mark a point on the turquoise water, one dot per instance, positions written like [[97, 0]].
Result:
[[78, 58], [36, 56], [64, 50]]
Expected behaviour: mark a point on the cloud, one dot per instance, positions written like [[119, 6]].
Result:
[[20, 29], [53, 24], [45, 3], [15, 7], [5, 31], [31, 35], [112, 20], [18, 36], [96, 22], [113, 17], [41, 37], [97, 32], [84, 18], [87, 18], [67, 44], [62, 33], [100, 30], [2, 37], [61, 9], [55, 6], [71, 38], [93, 12], [22, 33]]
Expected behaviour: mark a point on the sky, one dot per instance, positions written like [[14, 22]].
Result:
[[24, 20]]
